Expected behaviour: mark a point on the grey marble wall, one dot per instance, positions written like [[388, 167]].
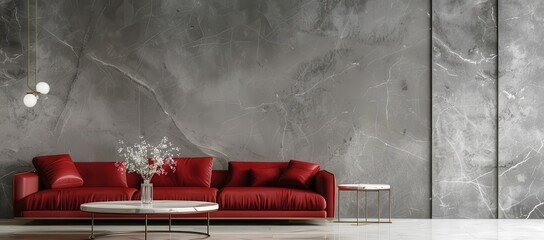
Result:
[[521, 171], [464, 109], [342, 83]]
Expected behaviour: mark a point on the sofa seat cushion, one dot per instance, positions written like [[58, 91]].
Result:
[[182, 193], [269, 198], [72, 198]]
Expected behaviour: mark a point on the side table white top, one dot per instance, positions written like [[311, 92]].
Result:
[[362, 187], [157, 207]]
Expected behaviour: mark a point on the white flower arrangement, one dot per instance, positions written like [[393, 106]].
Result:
[[146, 159]]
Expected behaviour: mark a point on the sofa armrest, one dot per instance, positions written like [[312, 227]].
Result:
[[325, 185], [24, 184]]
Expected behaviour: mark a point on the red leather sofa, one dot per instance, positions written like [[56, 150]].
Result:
[[239, 196]]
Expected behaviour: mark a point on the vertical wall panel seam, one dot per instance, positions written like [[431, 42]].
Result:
[[431, 107], [497, 108]]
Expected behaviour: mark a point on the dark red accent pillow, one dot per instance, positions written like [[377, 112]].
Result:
[[57, 171], [194, 171], [264, 177], [299, 174], [102, 174]]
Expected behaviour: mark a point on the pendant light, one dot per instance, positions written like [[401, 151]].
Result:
[[31, 97]]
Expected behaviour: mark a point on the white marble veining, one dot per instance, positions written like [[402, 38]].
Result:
[[341, 83], [464, 135], [521, 125], [400, 229]]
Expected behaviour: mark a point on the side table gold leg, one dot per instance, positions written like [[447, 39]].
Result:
[[338, 202], [169, 222], [357, 207], [378, 206], [389, 205], [366, 205]]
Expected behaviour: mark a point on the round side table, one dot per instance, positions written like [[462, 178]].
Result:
[[366, 188]]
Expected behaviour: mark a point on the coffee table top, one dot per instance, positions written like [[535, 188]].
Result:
[[360, 186], [157, 207]]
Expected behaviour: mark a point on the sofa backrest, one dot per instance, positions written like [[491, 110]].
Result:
[[134, 180], [248, 165], [101, 174], [107, 174], [239, 171], [188, 172], [219, 178]]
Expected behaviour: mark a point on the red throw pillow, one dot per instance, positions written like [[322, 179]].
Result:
[[194, 172], [165, 180], [299, 174], [57, 171], [264, 177], [102, 174]]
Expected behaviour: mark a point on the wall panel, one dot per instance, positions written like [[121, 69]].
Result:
[[464, 58]]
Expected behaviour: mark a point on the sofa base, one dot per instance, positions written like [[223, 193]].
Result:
[[221, 214]]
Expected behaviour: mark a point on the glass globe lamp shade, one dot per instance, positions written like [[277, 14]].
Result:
[[30, 100], [42, 87]]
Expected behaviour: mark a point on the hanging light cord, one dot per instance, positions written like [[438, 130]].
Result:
[[36, 46], [28, 45], [28, 48]]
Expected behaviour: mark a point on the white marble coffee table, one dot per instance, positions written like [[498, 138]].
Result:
[[365, 188], [157, 207]]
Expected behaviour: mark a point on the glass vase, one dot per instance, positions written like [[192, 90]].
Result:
[[147, 192]]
